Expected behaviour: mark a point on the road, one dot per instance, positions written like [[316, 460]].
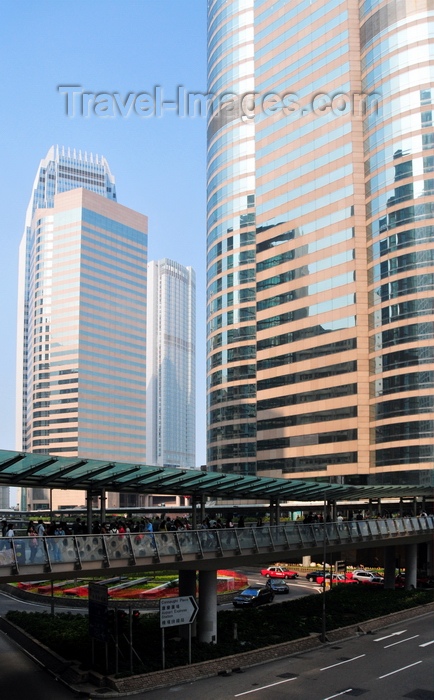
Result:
[[395, 663]]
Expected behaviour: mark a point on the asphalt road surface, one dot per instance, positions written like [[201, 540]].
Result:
[[396, 663]]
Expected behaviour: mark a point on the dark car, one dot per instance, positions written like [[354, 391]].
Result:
[[277, 586], [253, 596], [313, 575]]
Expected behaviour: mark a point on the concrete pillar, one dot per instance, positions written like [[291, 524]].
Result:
[[333, 511], [272, 513], [89, 511], [307, 560], [187, 587], [103, 499], [401, 507], [379, 507], [202, 508], [410, 566], [430, 558], [207, 616], [277, 511], [389, 567], [415, 506], [193, 512]]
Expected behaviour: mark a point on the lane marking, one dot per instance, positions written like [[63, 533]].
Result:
[[426, 644], [398, 670], [337, 694], [343, 662], [246, 692], [401, 641], [380, 639]]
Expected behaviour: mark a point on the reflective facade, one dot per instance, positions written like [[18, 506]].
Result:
[[171, 365], [82, 324], [324, 380]]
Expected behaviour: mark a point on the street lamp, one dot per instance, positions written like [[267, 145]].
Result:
[[324, 554]]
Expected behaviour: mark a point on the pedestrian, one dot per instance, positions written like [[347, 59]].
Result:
[[33, 541]]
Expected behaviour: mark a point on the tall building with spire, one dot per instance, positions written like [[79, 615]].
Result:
[[81, 371], [320, 294], [171, 365]]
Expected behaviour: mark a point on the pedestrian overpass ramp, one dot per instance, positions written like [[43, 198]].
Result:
[[134, 553]]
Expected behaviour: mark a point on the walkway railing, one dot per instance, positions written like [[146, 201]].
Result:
[[28, 557]]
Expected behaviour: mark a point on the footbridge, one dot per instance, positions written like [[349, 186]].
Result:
[[198, 554], [26, 558]]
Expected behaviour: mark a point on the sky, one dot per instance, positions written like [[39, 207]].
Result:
[[140, 53]]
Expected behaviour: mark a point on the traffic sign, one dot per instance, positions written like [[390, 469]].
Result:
[[178, 611]]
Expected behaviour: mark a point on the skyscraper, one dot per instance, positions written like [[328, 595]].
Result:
[[171, 364], [81, 377], [320, 232]]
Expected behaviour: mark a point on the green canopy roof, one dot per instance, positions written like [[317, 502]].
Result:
[[50, 471]]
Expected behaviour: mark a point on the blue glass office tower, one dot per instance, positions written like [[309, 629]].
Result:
[[320, 235], [82, 319]]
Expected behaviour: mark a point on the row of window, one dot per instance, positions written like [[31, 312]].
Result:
[[403, 382], [231, 336], [243, 257], [236, 449], [403, 358], [401, 311], [295, 192], [315, 463], [307, 290], [232, 298], [239, 240], [305, 208], [401, 263], [223, 433], [395, 40], [303, 440], [401, 239], [393, 130], [304, 333], [232, 374], [407, 146], [402, 334], [337, 414], [409, 406], [238, 315], [237, 412], [334, 392], [410, 430], [233, 279], [409, 168], [412, 190], [232, 393], [401, 217], [405, 454], [307, 353], [307, 375], [305, 312], [402, 287], [239, 354]]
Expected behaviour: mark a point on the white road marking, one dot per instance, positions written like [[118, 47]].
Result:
[[426, 644], [337, 694], [264, 687], [343, 662], [399, 669], [401, 641], [380, 639]]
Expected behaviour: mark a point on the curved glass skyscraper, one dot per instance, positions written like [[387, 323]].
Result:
[[330, 376]]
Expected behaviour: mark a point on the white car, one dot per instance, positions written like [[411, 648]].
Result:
[[367, 576]]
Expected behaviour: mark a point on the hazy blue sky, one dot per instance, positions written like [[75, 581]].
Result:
[[122, 46]]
